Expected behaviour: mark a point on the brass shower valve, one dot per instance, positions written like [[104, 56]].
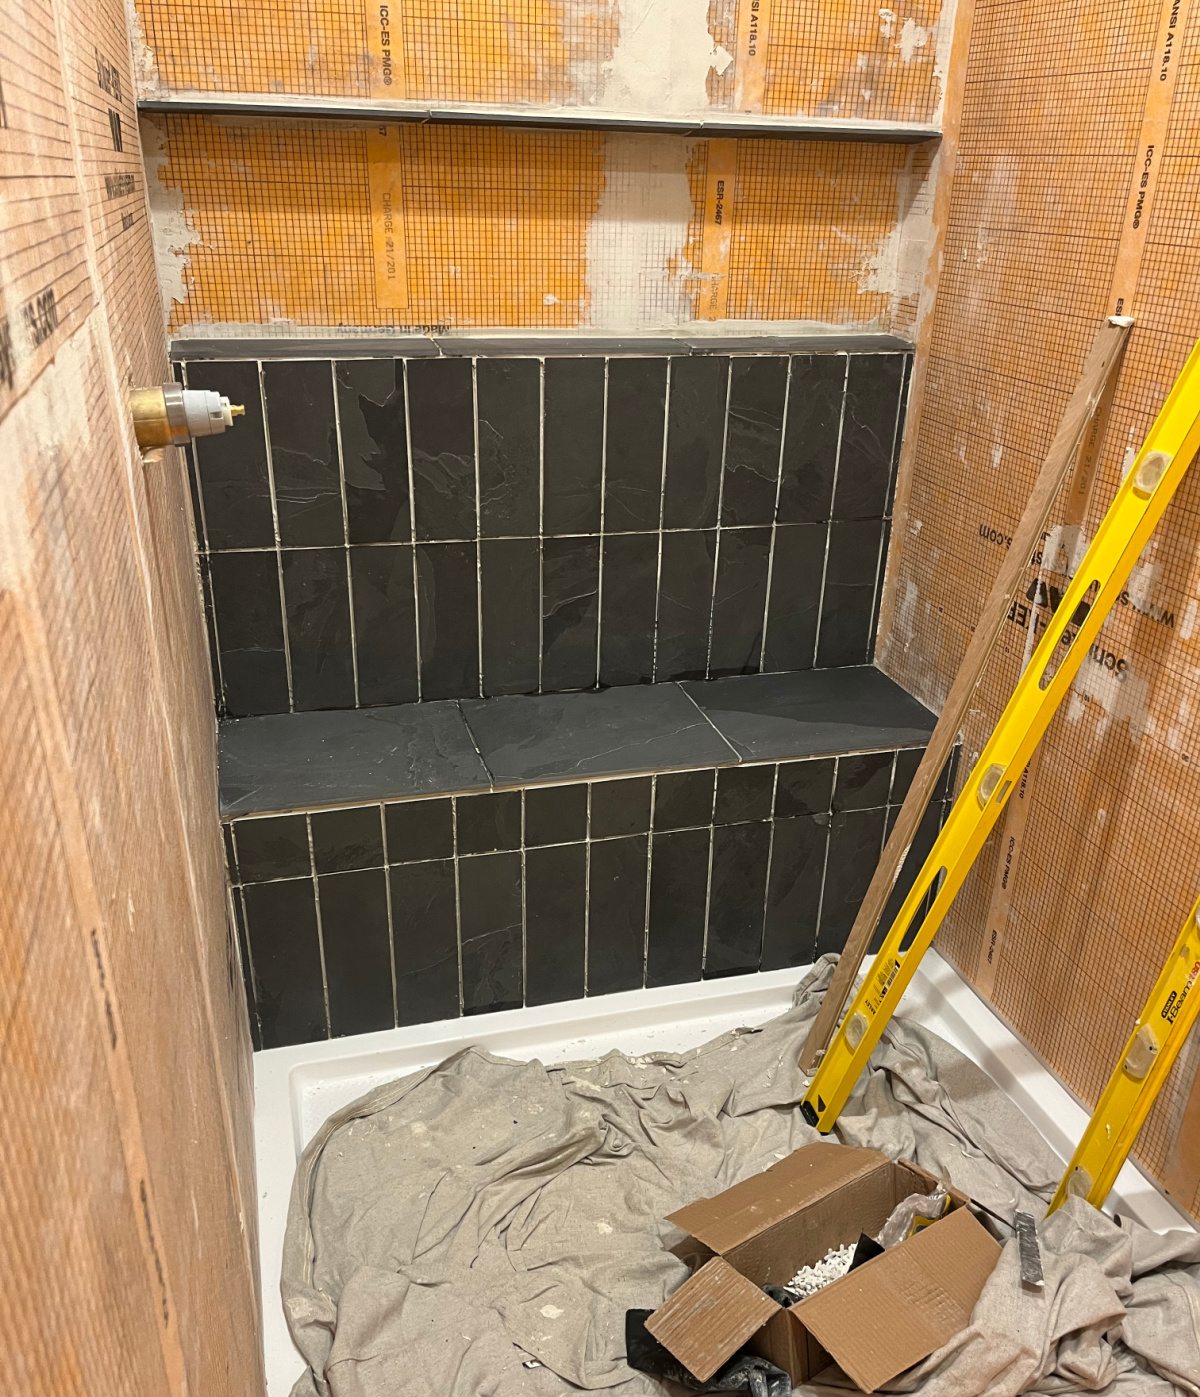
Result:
[[169, 414]]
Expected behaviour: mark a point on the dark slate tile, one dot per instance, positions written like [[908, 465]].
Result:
[[374, 450], [855, 843], [769, 717], [555, 909], [281, 923], [795, 605], [573, 445], [345, 757], [630, 573], [695, 441], [907, 762], [946, 786], [794, 891], [510, 425], [810, 448], [633, 456], [868, 431], [556, 814], [880, 578], [737, 900], [249, 627], [232, 467], [683, 799], [685, 592], [570, 602], [918, 852], [425, 930], [900, 422], [744, 793], [317, 600], [489, 822], [863, 781], [419, 829], [620, 807], [441, 424], [845, 637], [678, 901], [385, 624], [489, 893], [610, 733], [358, 952], [448, 620], [617, 915], [510, 593], [304, 452], [739, 601], [805, 788], [347, 839], [272, 848], [243, 956], [753, 438]]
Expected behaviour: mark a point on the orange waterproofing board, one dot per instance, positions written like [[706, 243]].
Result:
[[1051, 148], [282, 221], [127, 1214], [848, 58]]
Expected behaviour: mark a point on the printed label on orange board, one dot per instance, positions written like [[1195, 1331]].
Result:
[[384, 48], [750, 60], [718, 229], [387, 218]]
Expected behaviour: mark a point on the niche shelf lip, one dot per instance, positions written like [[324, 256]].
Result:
[[300, 107]]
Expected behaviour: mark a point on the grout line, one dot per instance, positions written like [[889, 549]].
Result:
[[287, 648], [825, 860], [541, 515], [478, 525], [712, 605], [600, 561], [587, 889], [649, 875], [837, 461], [708, 881], [524, 913], [412, 522], [762, 940], [787, 393], [873, 620], [457, 903], [337, 427], [316, 887], [662, 511], [736, 755], [387, 889]]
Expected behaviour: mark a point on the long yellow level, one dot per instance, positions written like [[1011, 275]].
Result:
[[1123, 533], [1149, 1055]]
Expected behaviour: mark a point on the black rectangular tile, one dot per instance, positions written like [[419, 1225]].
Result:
[[737, 898], [880, 578], [805, 788], [347, 839], [249, 626], [232, 467], [695, 441], [633, 456], [385, 624], [863, 780], [848, 603], [374, 450], [358, 954], [570, 604], [556, 814], [678, 899], [317, 598], [744, 793], [620, 807], [611, 733], [739, 601], [489, 893], [794, 891], [900, 422], [419, 829], [448, 620], [627, 601], [573, 445], [617, 914], [685, 605], [272, 848], [510, 592], [810, 448], [683, 799], [425, 930], [907, 762], [489, 822], [855, 843], [797, 564], [510, 425], [918, 852], [281, 923], [753, 438], [441, 425], [868, 431], [555, 908], [304, 452]]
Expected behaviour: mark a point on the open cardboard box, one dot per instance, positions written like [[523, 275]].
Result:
[[875, 1322]]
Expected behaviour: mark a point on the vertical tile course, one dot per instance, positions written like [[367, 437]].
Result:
[[304, 452], [573, 445], [555, 910], [848, 602], [737, 898], [570, 601], [683, 799], [275, 846], [794, 892], [685, 593], [419, 829], [489, 822], [794, 606], [374, 450], [232, 467], [864, 466], [510, 583], [281, 922], [810, 449], [753, 437], [318, 621], [385, 624], [424, 923], [509, 406], [695, 441], [358, 961], [678, 899], [855, 843], [555, 814], [489, 892], [863, 781], [448, 620], [739, 600], [630, 567], [633, 460], [617, 914], [441, 424], [744, 793], [343, 840], [620, 807], [254, 669]]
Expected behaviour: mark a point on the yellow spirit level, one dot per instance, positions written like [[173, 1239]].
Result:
[[1123, 533]]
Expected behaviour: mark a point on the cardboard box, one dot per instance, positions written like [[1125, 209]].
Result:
[[875, 1322]]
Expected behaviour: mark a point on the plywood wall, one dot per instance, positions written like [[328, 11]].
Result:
[[1051, 143], [127, 1212]]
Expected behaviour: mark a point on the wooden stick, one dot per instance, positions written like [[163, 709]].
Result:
[[1102, 363]]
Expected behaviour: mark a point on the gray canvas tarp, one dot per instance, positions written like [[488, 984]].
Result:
[[453, 1226]]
